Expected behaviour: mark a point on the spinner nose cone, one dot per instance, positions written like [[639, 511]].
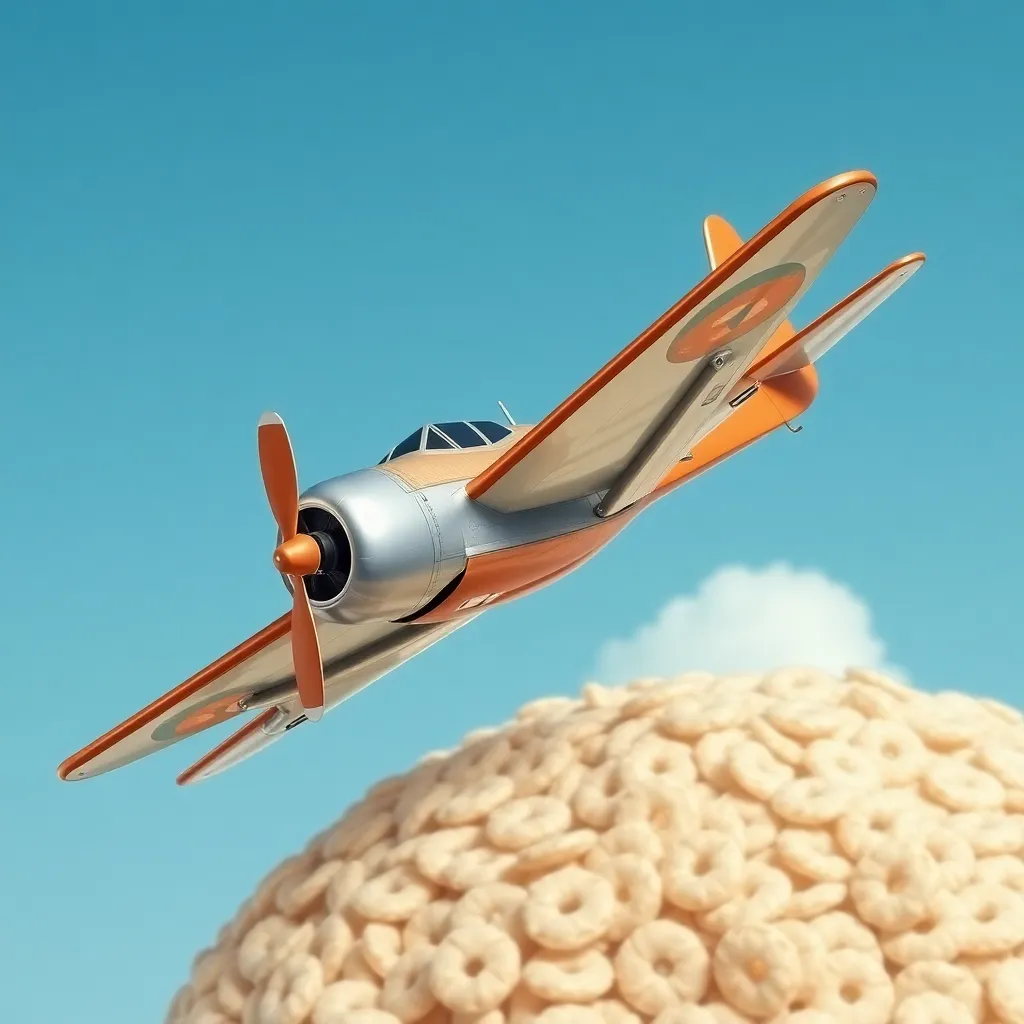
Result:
[[299, 556]]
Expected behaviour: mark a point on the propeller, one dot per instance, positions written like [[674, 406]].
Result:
[[298, 555]]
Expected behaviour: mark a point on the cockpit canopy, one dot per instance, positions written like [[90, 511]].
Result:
[[457, 434]]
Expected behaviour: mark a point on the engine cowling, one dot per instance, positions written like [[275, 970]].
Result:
[[386, 551]]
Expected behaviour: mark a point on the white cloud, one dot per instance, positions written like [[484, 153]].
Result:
[[743, 619]]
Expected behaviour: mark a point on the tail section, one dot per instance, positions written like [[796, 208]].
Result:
[[721, 240], [810, 344]]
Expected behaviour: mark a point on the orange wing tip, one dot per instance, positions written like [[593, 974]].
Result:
[[256, 643], [194, 773]]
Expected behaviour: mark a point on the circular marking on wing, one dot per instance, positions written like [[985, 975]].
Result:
[[213, 711], [742, 308]]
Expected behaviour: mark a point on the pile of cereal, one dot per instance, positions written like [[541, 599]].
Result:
[[789, 848]]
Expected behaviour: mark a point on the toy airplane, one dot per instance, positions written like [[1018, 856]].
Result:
[[462, 516]]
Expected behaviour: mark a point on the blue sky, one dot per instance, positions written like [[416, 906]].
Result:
[[366, 216]]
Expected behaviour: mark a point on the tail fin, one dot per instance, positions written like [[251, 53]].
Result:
[[810, 344], [720, 242]]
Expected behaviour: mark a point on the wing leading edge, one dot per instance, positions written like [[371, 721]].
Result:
[[600, 431], [353, 656]]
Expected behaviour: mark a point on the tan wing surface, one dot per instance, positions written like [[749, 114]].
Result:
[[344, 675], [583, 446], [211, 696], [810, 344]]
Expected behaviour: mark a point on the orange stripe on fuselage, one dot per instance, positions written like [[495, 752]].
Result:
[[516, 571]]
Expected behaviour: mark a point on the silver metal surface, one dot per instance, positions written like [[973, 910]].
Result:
[[401, 553]]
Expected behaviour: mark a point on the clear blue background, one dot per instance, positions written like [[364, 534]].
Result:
[[370, 215]]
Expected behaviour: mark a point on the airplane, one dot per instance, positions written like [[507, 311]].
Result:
[[463, 516]]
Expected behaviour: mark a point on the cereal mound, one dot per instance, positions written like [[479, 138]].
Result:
[[790, 848]]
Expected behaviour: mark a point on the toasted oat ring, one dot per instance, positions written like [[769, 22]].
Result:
[[947, 979], [843, 764], [569, 978], [343, 884], [856, 989], [342, 996], [932, 1008], [568, 909], [1001, 869], [960, 787], [756, 829], [475, 968], [874, 818], [811, 801], [599, 795], [489, 755], [661, 964], [711, 755], [270, 942], [382, 946], [757, 770], [428, 925], [1006, 991], [953, 855], [292, 990], [811, 853], [893, 886], [538, 764], [637, 887], [990, 833], [477, 799], [568, 1014], [811, 952], [814, 899], [556, 851], [499, 904], [686, 718], [364, 1015], [703, 873], [298, 893], [898, 751], [995, 919], [331, 944], [757, 968], [839, 930], [655, 761], [799, 681], [418, 804], [613, 1011], [527, 820], [803, 719], [393, 896], [782, 747], [763, 896], [934, 938], [630, 837], [406, 991], [1006, 764]]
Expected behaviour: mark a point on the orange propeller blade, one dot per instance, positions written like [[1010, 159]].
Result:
[[280, 479], [309, 669]]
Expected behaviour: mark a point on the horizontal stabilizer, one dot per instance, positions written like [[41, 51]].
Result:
[[810, 344]]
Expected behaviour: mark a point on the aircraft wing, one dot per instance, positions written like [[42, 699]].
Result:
[[810, 344], [353, 656], [626, 426], [344, 675]]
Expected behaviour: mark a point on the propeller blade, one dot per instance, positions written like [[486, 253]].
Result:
[[280, 478], [309, 669]]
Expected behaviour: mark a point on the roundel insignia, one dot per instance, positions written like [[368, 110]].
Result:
[[211, 712], [742, 308]]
